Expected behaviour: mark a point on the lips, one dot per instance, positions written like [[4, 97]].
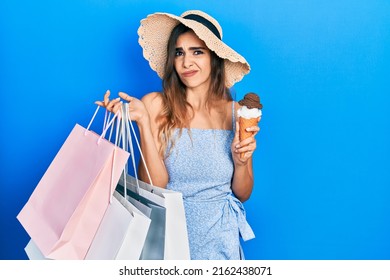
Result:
[[189, 73]]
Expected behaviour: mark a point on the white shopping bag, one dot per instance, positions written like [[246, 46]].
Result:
[[121, 234], [176, 246], [154, 244], [33, 252]]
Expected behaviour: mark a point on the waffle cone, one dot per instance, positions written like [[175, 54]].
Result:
[[244, 123]]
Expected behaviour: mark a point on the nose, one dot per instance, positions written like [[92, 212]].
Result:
[[187, 61]]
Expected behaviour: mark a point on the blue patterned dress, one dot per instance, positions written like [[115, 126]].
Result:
[[201, 167]]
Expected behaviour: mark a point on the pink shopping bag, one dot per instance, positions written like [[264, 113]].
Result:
[[65, 210]]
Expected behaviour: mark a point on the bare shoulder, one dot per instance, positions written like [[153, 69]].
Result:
[[153, 101], [154, 105]]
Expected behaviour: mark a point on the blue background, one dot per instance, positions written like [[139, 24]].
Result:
[[322, 69]]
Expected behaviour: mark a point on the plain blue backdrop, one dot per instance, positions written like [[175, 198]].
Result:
[[321, 68]]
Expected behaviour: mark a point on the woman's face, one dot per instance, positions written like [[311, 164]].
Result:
[[192, 61]]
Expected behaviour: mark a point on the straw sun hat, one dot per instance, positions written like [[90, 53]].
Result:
[[155, 30]]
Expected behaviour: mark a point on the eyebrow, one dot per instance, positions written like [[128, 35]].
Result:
[[191, 48]]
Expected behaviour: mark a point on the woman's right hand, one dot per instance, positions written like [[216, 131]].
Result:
[[137, 109], [111, 105]]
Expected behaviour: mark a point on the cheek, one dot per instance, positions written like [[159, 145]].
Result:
[[175, 64], [207, 66], [207, 63]]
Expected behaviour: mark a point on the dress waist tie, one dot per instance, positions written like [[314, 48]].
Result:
[[236, 208]]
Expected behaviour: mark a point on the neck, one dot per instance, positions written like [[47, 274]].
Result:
[[197, 98]]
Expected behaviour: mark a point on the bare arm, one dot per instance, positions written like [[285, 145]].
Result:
[[243, 180], [150, 143]]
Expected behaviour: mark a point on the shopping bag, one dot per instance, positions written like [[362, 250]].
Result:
[[176, 246], [65, 209], [153, 248], [33, 252], [121, 234], [124, 228]]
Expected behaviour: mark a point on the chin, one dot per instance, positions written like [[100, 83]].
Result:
[[193, 84]]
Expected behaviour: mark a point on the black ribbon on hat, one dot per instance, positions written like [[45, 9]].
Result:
[[205, 22]]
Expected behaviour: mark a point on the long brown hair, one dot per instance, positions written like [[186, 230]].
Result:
[[177, 112]]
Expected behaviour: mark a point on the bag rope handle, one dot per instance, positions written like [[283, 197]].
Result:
[[106, 125], [128, 120]]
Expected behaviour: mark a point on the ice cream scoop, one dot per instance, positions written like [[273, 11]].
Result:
[[247, 113], [250, 114], [251, 100]]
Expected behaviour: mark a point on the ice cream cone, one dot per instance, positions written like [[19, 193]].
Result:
[[245, 123], [250, 114]]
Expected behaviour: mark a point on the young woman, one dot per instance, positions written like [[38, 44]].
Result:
[[189, 133]]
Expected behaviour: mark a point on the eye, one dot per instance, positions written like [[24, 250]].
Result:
[[178, 53], [198, 52]]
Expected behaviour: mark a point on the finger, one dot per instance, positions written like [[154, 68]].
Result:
[[255, 133], [248, 141], [236, 138], [253, 129], [126, 97], [112, 103], [245, 154], [117, 107], [106, 98], [246, 148], [237, 133], [99, 103], [248, 154]]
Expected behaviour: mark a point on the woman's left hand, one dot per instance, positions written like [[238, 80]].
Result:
[[245, 147]]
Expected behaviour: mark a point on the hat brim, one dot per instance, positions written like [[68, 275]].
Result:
[[154, 33]]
